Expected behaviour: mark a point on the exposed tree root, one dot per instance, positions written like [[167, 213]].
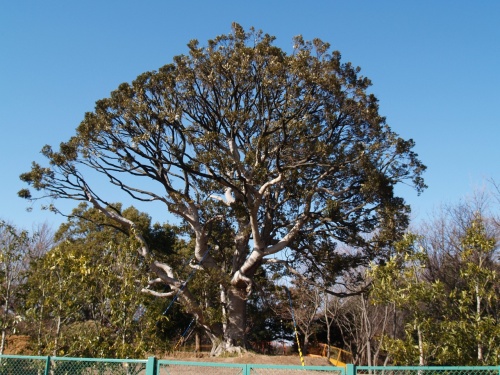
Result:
[[226, 348]]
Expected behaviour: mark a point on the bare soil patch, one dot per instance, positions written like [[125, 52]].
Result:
[[249, 357]]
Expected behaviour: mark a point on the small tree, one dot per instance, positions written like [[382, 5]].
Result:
[[456, 327], [14, 260], [83, 294], [304, 306], [461, 245], [475, 300], [401, 282]]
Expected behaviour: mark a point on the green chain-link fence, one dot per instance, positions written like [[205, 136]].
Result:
[[422, 370], [182, 368], [27, 365], [291, 370], [31, 365], [10, 365]]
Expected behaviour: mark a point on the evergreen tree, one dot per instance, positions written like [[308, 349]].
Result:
[[284, 151]]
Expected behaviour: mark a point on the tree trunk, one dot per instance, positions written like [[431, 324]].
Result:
[[305, 347], [197, 345], [421, 356], [367, 331], [58, 334], [40, 327], [478, 319], [381, 341], [328, 338], [5, 314], [2, 343], [235, 323]]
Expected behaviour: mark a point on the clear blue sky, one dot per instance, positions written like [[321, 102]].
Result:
[[434, 66]]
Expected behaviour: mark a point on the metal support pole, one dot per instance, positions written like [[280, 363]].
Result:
[[350, 369], [151, 366], [47, 365]]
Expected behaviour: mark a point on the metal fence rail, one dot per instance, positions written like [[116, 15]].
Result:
[[37, 365]]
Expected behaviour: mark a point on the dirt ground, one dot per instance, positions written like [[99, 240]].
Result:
[[18, 345], [250, 357]]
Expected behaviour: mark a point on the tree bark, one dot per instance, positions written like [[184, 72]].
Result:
[[421, 356], [367, 330], [197, 346], [5, 314], [2, 344], [478, 319], [233, 340], [235, 330], [328, 322], [305, 347]]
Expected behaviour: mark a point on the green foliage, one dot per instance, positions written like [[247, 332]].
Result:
[[400, 281], [14, 259], [459, 327], [474, 333], [84, 295]]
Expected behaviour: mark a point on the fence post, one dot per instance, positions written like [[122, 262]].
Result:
[[350, 369], [47, 365], [151, 366]]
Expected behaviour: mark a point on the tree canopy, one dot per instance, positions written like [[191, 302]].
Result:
[[257, 151]]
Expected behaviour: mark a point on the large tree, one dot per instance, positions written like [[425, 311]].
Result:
[[244, 142]]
